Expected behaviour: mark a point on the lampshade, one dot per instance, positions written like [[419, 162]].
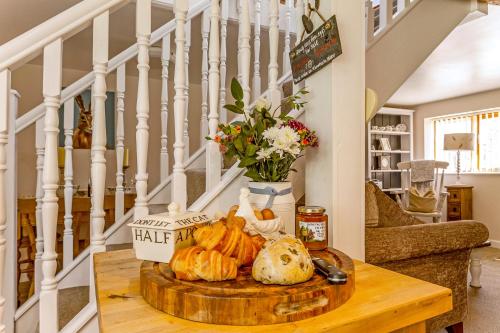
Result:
[[459, 141]]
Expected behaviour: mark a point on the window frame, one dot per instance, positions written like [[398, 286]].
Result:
[[430, 147]]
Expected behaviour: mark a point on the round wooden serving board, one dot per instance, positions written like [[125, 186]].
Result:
[[245, 301]]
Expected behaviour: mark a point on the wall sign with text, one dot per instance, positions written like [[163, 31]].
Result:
[[316, 50]]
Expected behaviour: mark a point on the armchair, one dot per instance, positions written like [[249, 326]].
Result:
[[437, 253], [424, 175]]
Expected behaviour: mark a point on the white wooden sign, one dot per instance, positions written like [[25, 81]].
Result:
[[156, 237]]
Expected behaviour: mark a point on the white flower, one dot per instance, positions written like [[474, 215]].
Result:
[[262, 103], [264, 153], [271, 133]]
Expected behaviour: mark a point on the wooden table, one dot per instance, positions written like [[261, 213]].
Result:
[[384, 301]]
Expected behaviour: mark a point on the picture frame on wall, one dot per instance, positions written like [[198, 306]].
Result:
[[385, 144]]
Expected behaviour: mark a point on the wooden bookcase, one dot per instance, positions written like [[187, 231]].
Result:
[[401, 143]]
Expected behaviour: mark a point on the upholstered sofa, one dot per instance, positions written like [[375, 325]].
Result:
[[437, 252]]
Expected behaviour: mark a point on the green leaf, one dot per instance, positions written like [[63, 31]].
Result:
[[254, 175], [247, 161], [238, 144], [240, 104], [251, 149], [236, 90], [233, 108]]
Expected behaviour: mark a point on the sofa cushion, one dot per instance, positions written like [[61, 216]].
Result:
[[371, 207], [423, 202]]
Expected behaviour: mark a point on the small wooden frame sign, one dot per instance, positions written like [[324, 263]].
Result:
[[156, 237], [316, 51]]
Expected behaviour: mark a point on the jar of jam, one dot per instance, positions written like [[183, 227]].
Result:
[[312, 227]]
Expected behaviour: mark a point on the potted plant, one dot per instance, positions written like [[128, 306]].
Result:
[[267, 142]]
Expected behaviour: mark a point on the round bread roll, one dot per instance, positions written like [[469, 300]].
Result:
[[268, 214], [258, 214], [283, 261]]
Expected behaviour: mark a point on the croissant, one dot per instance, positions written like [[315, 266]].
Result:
[[193, 263], [183, 262], [213, 266], [229, 241]]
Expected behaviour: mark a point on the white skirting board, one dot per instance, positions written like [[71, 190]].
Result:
[[495, 243]]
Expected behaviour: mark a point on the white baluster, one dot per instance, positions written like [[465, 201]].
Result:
[[288, 27], [165, 60], [401, 6], [98, 149], [52, 76], [179, 190], [370, 21], [40, 153], [120, 139], [187, 45], [143, 32], [244, 46], [213, 161], [385, 13], [69, 109], [205, 28], [5, 83], [256, 48], [274, 92], [299, 11], [223, 58]]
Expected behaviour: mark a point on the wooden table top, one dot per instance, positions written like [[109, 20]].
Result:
[[384, 301]]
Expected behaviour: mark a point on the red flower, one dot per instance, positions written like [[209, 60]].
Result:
[[305, 142], [217, 139], [237, 128]]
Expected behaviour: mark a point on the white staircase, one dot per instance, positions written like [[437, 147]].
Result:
[[281, 22]]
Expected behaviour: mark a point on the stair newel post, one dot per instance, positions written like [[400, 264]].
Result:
[[143, 33], [385, 13], [98, 149], [274, 92], [40, 153], [52, 77], [205, 29], [165, 60], [69, 109], [223, 58], [256, 48], [187, 45], [120, 139], [245, 52], [370, 21], [214, 163], [179, 187], [288, 27]]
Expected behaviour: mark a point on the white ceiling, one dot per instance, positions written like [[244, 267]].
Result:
[[466, 62]]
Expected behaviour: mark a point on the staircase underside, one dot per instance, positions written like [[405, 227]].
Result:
[[391, 59]]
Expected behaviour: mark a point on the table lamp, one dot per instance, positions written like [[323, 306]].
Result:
[[458, 142]]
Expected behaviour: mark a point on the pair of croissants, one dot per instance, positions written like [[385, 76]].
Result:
[[220, 249]]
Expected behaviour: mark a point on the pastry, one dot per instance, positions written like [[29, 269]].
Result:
[[213, 266], [268, 214], [283, 261], [229, 240], [194, 263], [183, 261], [236, 220]]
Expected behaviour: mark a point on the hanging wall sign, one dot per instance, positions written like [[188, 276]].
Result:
[[316, 50]]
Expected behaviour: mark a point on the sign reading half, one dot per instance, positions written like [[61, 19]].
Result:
[[316, 51]]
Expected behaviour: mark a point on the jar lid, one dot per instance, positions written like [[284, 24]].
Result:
[[311, 209]]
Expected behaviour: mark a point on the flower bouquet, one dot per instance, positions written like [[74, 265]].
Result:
[[267, 141]]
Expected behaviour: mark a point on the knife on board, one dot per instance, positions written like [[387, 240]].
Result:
[[332, 273]]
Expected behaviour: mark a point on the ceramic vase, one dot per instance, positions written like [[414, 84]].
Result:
[[283, 205]]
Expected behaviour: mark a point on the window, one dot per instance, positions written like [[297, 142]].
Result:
[[485, 125]]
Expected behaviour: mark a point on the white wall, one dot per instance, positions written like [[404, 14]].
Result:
[[335, 171], [486, 193]]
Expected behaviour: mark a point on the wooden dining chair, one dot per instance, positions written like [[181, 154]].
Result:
[[412, 176]]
